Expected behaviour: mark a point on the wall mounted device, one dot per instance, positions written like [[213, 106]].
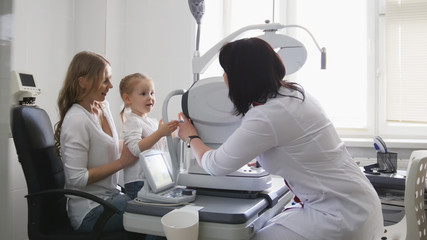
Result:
[[24, 88]]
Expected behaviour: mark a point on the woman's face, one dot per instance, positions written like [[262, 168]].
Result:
[[225, 79], [100, 93]]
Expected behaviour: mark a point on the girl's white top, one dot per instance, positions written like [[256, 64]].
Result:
[[134, 129]]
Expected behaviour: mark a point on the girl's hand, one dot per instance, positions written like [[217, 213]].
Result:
[[166, 129], [186, 128]]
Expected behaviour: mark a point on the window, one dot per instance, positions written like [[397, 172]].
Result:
[[403, 49], [376, 58], [344, 87]]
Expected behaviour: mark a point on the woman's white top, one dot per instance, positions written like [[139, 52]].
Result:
[[136, 128], [296, 140], [84, 145]]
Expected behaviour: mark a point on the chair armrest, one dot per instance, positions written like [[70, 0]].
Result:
[[79, 194], [109, 209]]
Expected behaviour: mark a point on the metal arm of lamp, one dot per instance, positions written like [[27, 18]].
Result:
[[200, 63]]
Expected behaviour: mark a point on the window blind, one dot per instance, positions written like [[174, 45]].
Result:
[[406, 60]]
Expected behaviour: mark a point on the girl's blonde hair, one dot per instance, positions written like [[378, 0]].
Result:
[[127, 85], [84, 64]]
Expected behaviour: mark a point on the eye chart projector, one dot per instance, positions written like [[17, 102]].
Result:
[[206, 102]]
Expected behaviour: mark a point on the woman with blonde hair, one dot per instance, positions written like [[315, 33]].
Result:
[[87, 140]]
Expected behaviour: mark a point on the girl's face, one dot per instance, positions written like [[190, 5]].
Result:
[[142, 98]]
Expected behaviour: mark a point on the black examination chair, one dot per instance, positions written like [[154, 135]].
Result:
[[47, 217]]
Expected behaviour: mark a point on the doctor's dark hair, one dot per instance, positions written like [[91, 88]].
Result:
[[84, 64], [255, 73]]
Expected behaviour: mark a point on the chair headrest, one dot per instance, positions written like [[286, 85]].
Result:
[[31, 127]]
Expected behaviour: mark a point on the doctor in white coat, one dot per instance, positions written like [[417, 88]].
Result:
[[290, 135]]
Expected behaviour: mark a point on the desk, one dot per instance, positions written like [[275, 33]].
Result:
[[220, 218], [391, 190]]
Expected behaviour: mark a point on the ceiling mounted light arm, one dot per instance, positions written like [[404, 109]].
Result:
[[321, 50], [200, 63], [197, 8]]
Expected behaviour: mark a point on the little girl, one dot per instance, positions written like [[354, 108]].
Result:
[[140, 132]]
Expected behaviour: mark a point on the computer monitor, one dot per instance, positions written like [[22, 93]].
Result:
[[24, 87], [27, 80], [155, 166]]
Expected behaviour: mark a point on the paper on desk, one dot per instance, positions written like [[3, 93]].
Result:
[[191, 208]]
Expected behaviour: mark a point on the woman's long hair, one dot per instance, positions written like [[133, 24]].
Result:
[[84, 64], [255, 73]]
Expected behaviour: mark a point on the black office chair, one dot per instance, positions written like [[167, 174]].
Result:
[[47, 217]]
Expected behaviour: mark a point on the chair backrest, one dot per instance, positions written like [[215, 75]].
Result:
[[34, 142], [414, 196], [35, 145]]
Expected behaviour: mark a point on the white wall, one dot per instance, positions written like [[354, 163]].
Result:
[[158, 40], [152, 37], [42, 44], [5, 52]]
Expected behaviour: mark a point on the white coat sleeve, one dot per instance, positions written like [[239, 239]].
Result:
[[252, 138]]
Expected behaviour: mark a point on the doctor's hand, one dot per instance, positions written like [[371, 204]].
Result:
[[186, 128]]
